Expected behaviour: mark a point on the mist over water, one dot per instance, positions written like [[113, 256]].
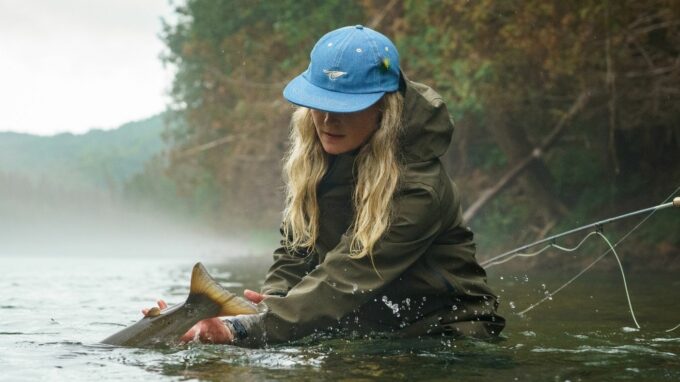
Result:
[[73, 221]]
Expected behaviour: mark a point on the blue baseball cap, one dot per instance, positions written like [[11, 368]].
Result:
[[350, 69]]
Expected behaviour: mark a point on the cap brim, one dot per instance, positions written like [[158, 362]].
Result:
[[301, 92]]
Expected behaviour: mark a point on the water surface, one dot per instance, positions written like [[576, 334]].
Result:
[[53, 312]]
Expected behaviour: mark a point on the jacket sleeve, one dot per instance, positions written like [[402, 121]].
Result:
[[288, 269], [341, 284]]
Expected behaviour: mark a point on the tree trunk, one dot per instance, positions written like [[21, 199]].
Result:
[[537, 181]]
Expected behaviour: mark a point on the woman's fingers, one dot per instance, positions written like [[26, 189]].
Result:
[[253, 296], [191, 335], [211, 330], [161, 304]]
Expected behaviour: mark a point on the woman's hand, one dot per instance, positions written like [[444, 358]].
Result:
[[161, 304], [211, 330], [253, 296]]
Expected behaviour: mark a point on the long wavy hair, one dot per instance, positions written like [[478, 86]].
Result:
[[377, 168]]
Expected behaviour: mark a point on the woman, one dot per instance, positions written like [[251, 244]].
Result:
[[373, 239]]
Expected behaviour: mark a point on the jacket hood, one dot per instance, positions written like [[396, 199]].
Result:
[[428, 126]]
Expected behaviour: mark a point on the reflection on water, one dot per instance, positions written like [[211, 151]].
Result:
[[53, 312]]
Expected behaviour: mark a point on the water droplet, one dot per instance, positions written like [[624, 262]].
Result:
[[394, 307]]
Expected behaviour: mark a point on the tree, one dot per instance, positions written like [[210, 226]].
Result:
[[233, 59]]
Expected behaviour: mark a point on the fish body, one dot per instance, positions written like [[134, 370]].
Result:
[[207, 299]]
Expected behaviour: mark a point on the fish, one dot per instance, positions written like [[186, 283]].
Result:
[[207, 299]]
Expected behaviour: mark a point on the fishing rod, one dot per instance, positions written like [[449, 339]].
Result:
[[597, 225]]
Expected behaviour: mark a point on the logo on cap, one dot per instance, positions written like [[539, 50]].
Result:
[[334, 74]]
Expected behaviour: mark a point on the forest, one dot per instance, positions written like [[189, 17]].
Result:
[[565, 112]]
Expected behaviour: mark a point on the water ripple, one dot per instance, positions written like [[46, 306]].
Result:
[[624, 349]]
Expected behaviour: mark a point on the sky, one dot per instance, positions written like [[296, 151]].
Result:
[[74, 65]]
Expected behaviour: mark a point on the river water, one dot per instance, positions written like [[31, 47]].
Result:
[[53, 312]]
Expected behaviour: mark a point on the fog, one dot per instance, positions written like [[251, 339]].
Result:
[[45, 219]]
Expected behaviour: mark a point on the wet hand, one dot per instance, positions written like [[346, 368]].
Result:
[[253, 296], [211, 330], [161, 305]]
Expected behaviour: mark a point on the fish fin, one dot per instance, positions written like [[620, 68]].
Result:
[[230, 304]]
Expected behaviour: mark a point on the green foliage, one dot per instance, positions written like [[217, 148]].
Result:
[[487, 156], [508, 70], [517, 66], [102, 160]]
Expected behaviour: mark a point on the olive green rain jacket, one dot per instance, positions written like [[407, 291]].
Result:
[[429, 281]]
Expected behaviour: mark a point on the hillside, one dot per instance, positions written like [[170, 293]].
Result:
[[69, 195], [98, 159]]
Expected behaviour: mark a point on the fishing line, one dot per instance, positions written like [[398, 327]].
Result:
[[597, 225], [532, 254], [493, 261], [618, 260]]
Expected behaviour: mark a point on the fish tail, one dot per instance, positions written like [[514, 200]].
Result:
[[229, 303]]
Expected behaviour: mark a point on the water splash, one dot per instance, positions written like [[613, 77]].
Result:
[[391, 305]]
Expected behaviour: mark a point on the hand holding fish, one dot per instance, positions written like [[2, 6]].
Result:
[[253, 296], [193, 320], [211, 330]]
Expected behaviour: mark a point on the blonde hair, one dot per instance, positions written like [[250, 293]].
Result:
[[377, 166]]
